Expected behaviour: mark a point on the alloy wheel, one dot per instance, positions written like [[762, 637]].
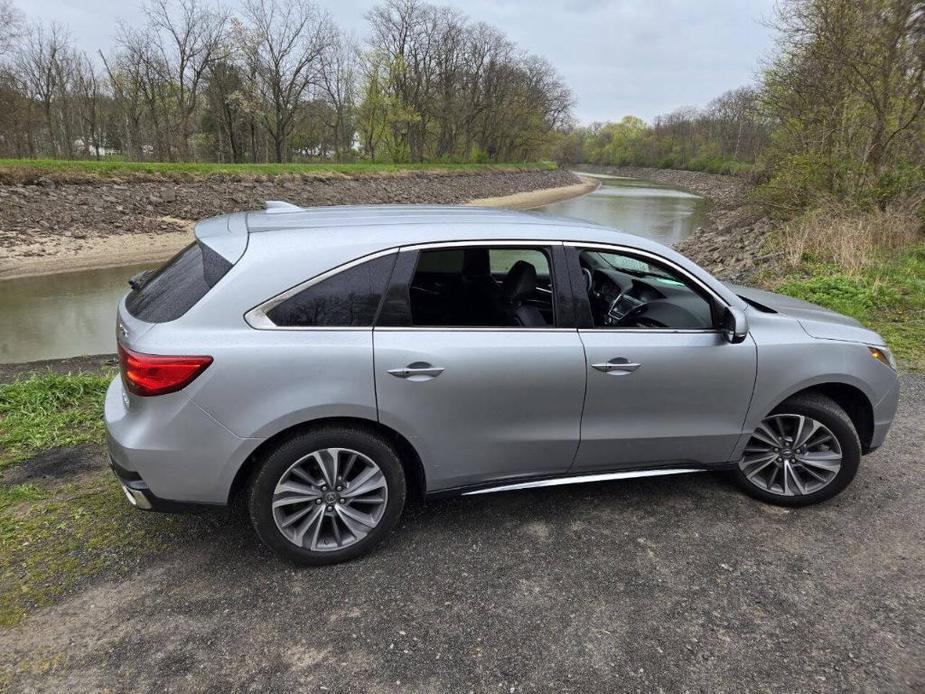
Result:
[[329, 499], [791, 455]]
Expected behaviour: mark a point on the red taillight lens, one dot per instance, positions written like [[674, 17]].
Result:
[[154, 374]]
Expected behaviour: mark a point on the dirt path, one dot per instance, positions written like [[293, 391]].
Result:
[[61, 228], [674, 584]]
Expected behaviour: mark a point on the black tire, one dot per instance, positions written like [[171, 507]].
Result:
[[829, 413], [281, 457]]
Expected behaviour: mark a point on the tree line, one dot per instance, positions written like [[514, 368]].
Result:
[[839, 112], [277, 81]]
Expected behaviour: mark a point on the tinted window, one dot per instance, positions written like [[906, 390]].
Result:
[[482, 287], [171, 291], [630, 292], [348, 299]]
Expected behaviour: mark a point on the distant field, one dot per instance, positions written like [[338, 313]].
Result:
[[13, 171]]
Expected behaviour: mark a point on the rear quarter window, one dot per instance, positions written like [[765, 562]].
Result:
[[350, 298], [176, 287]]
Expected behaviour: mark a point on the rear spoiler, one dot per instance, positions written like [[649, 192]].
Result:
[[226, 235]]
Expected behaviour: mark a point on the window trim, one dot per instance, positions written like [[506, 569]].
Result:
[[581, 297], [258, 319], [560, 293]]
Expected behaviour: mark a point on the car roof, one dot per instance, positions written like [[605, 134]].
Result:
[[286, 245]]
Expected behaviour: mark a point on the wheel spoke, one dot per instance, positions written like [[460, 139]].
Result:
[[758, 469], [327, 461], [294, 499], [765, 435], [807, 430], [826, 460], [296, 488], [299, 535], [371, 483], [801, 488]]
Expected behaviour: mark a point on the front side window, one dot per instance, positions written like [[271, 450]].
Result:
[[626, 291], [482, 286], [349, 298]]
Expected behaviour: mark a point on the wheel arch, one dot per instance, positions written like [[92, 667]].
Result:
[[851, 399], [410, 459]]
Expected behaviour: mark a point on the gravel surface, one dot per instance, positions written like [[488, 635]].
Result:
[[663, 584]]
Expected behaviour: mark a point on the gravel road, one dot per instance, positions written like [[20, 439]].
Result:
[[665, 584]]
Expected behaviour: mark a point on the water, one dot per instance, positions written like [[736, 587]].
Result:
[[648, 209], [71, 314], [66, 315]]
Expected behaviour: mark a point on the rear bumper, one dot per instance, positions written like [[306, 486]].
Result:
[[169, 453], [140, 496]]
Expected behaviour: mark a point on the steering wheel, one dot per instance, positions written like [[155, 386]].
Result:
[[588, 279]]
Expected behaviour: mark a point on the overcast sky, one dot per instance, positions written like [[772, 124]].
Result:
[[640, 57]]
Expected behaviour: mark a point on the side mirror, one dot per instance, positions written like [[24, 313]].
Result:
[[735, 325]]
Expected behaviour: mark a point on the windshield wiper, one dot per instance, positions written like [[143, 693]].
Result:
[[136, 282]]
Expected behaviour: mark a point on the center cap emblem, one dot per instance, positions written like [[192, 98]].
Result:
[[330, 498]]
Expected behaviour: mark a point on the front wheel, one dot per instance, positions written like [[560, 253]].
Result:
[[327, 495], [804, 452]]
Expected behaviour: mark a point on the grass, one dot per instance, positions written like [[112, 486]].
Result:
[[52, 535], [51, 539], [14, 171], [887, 294], [48, 410]]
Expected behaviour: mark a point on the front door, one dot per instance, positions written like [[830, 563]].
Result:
[[472, 366], [664, 386]]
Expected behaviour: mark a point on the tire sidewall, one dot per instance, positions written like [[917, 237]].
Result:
[[833, 417], [285, 454]]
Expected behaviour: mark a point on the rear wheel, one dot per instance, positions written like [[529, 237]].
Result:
[[804, 452], [327, 495]]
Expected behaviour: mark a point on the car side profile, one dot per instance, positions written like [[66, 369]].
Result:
[[324, 364]]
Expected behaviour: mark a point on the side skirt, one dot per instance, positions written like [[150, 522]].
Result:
[[515, 485]]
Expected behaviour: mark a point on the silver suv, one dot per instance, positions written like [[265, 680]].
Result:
[[325, 364]]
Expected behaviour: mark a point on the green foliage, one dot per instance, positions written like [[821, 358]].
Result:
[[48, 410], [888, 296]]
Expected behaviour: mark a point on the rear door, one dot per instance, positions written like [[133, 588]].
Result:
[[481, 394]]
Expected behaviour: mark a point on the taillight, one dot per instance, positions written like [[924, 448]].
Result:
[[155, 374]]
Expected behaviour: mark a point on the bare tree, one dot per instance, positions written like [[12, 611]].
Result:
[[287, 39], [188, 39]]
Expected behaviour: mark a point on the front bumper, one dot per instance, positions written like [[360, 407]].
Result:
[[884, 411]]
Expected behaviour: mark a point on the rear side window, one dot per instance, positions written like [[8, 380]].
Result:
[[178, 285], [350, 298]]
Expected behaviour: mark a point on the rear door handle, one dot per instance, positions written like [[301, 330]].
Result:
[[617, 366], [418, 371]]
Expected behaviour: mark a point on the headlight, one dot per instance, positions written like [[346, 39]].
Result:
[[884, 355]]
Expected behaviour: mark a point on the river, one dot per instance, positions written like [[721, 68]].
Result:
[[71, 314]]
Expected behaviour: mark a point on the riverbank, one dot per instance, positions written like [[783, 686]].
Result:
[[732, 244], [50, 227]]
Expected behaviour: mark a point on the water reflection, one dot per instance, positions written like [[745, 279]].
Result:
[[58, 316], [648, 209]]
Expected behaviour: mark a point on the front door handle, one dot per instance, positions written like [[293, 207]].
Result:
[[418, 371], [617, 366]]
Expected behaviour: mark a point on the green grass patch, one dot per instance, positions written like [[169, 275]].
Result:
[[888, 296], [13, 171], [50, 539], [50, 410], [53, 535]]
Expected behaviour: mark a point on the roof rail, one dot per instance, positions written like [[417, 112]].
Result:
[[279, 206]]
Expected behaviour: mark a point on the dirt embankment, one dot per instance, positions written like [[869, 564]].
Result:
[[54, 227], [731, 243]]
